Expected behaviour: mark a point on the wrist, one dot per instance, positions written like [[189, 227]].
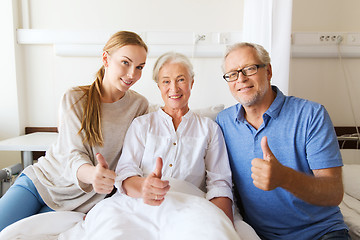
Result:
[[287, 177], [86, 173]]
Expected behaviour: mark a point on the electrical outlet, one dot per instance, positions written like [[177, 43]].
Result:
[[330, 38], [202, 38], [224, 38]]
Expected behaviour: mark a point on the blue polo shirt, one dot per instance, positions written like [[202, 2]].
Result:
[[301, 136]]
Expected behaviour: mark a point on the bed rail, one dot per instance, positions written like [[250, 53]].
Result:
[[7, 175]]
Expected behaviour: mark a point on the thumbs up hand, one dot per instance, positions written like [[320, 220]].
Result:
[[154, 189], [158, 168], [103, 179], [267, 173]]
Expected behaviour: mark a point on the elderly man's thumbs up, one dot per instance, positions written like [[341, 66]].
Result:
[[266, 172], [267, 153]]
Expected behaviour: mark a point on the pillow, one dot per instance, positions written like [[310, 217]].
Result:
[[351, 179], [153, 107], [210, 112]]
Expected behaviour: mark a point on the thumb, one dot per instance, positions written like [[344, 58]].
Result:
[[266, 149], [158, 168], [101, 160]]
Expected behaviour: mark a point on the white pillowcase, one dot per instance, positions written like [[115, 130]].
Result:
[[351, 179], [210, 112]]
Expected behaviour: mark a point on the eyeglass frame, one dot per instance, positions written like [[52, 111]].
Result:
[[242, 71]]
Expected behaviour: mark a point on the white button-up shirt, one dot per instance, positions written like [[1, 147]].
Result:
[[195, 152]]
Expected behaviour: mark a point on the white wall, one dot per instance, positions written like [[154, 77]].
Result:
[[323, 79], [48, 76], [10, 109]]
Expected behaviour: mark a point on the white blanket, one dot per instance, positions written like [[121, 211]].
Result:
[[185, 214]]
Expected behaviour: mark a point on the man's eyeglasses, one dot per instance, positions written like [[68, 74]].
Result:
[[246, 71]]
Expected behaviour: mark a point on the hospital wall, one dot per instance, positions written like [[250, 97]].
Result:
[[42, 77], [324, 80]]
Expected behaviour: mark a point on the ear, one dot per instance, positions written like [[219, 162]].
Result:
[[105, 56], [192, 83], [269, 72]]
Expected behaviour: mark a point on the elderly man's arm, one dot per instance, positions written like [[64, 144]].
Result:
[[324, 188]]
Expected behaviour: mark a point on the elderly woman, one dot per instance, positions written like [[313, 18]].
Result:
[[168, 153], [191, 147]]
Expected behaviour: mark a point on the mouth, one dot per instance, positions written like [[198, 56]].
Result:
[[175, 96], [245, 89], [126, 82]]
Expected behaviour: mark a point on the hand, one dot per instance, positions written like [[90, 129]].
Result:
[[267, 173], [154, 189], [104, 179]]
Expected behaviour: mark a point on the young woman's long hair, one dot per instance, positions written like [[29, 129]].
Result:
[[91, 119]]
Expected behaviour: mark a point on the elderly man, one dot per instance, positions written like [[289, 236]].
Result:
[[283, 152]]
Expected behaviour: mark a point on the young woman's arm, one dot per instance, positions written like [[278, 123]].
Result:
[[100, 176]]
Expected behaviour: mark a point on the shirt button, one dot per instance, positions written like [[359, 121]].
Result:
[[174, 143], [170, 165]]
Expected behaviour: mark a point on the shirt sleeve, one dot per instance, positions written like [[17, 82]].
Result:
[[71, 152], [322, 147], [218, 173], [132, 153]]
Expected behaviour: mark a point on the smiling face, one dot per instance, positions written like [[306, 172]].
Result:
[[248, 90], [175, 83], [123, 67]]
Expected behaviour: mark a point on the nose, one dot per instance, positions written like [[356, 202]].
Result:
[[131, 73], [173, 85], [242, 77]]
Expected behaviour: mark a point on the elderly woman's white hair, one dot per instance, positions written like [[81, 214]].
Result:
[[172, 57]]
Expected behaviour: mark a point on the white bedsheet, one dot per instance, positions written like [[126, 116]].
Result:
[[43, 226], [185, 214], [350, 208]]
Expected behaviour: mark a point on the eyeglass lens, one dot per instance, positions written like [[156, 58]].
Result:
[[247, 71]]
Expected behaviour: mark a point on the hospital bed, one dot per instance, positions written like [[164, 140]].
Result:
[[49, 225], [350, 206], [53, 225], [349, 143]]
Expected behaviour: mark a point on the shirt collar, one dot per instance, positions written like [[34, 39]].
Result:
[[274, 109], [169, 118]]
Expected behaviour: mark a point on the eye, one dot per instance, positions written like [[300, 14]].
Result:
[[250, 68], [140, 67], [165, 81], [125, 62], [181, 80], [232, 75]]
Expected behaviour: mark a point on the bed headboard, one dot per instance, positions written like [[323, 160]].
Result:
[[347, 137]]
